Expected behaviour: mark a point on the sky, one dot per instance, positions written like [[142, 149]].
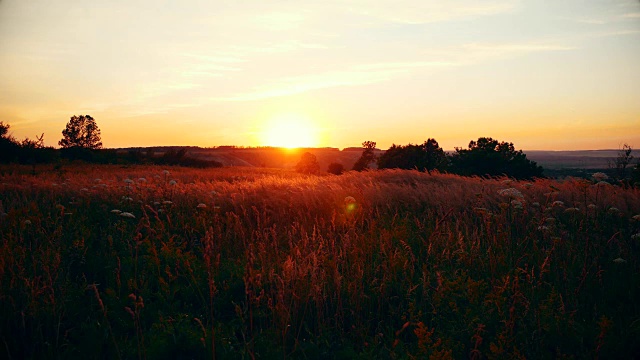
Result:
[[545, 75]]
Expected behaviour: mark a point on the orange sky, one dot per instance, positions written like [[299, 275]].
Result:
[[544, 75]]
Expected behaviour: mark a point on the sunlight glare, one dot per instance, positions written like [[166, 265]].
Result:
[[291, 131]]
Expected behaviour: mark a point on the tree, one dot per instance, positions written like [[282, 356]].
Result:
[[335, 169], [308, 164], [9, 147], [368, 156], [425, 157], [622, 160], [493, 158], [81, 132]]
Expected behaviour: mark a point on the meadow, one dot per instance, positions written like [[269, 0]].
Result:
[[166, 262]]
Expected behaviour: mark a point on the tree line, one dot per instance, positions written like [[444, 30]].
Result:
[[486, 157], [81, 140]]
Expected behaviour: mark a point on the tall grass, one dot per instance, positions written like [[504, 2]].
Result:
[[277, 265]]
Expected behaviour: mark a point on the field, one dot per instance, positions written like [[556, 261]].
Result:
[[150, 262]]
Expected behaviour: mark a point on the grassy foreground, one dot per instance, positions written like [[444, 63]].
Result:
[[140, 262]]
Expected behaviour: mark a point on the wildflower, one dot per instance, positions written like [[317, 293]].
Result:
[[636, 217], [216, 208], [115, 211], [97, 180], [167, 202], [156, 203], [127, 215], [571, 210], [166, 172], [201, 206], [603, 183], [599, 176], [535, 204], [591, 206], [142, 179], [173, 182], [511, 192], [635, 236], [550, 220], [84, 189], [613, 210], [126, 198], [557, 203], [527, 185], [543, 228], [128, 181], [54, 184], [27, 222], [619, 260], [516, 203], [160, 211]]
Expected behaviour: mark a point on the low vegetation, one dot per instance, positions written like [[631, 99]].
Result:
[[153, 262]]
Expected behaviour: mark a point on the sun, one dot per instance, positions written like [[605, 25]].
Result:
[[291, 131]]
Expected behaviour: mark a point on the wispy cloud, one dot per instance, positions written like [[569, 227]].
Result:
[[358, 75]]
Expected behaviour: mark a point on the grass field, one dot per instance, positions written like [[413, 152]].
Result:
[[150, 262]]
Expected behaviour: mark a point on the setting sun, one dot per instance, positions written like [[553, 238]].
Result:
[[290, 131]]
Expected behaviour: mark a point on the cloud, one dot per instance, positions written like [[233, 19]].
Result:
[[358, 75], [422, 12]]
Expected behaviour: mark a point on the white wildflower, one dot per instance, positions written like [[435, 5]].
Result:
[[27, 222], [115, 211], [167, 202], [160, 211], [201, 206], [84, 189], [635, 236], [173, 182], [603, 183], [591, 206], [511, 192], [613, 210], [142, 179], [571, 210], [128, 215], [128, 181], [619, 261], [166, 172], [636, 217], [557, 203], [97, 180], [535, 204], [156, 203], [126, 198], [599, 176], [543, 228]]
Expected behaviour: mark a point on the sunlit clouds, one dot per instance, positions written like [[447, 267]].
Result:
[[211, 73]]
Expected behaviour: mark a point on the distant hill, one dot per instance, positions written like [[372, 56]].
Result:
[[588, 160]]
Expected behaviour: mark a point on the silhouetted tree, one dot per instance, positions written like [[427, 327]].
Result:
[[622, 160], [493, 158], [426, 157], [335, 168], [368, 156], [82, 132], [8, 146], [308, 164]]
